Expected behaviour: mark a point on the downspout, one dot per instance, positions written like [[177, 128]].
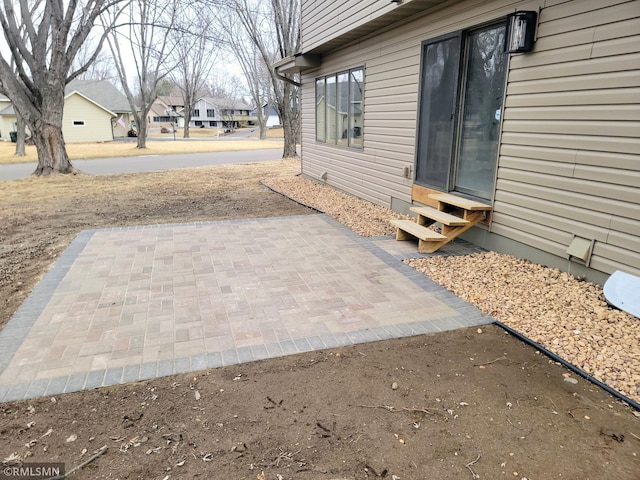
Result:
[[285, 79]]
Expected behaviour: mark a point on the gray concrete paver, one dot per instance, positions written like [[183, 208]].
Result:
[[128, 304]]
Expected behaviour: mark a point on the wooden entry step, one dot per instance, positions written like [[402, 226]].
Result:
[[455, 214], [460, 202], [429, 215]]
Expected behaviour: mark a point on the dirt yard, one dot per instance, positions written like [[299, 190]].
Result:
[[468, 404]]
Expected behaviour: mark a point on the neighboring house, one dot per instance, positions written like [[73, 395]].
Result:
[[85, 120], [94, 111], [108, 99], [272, 118], [221, 112], [165, 111], [207, 112], [7, 118], [401, 99]]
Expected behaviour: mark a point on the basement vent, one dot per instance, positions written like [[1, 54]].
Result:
[[580, 249]]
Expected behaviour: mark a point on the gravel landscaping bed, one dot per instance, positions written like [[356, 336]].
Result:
[[361, 216], [568, 317]]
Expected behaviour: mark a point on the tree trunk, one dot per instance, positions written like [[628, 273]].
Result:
[[290, 138], [52, 155], [290, 116], [46, 131], [187, 120], [21, 133], [142, 134]]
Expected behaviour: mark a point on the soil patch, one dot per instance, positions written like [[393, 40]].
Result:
[[466, 404]]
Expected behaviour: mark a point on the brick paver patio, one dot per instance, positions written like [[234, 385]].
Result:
[[130, 304]]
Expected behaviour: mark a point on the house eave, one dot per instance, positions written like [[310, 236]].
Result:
[[394, 13], [297, 63]]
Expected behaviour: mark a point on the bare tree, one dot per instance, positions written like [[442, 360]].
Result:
[[195, 59], [55, 31], [282, 30], [144, 42], [256, 71], [102, 68], [21, 128]]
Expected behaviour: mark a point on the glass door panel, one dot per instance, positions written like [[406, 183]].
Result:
[[483, 93], [439, 90]]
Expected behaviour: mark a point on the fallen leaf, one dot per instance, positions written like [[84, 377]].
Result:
[[72, 438]]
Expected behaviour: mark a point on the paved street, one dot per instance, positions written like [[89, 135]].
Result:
[[149, 163]]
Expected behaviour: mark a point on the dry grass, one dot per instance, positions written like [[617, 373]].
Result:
[[79, 189], [271, 133], [128, 149]]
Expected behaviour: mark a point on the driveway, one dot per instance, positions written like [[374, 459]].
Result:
[[148, 163]]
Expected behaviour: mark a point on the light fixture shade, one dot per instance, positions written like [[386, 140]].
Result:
[[521, 31]]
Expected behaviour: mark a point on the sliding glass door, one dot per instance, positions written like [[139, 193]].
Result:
[[462, 89]]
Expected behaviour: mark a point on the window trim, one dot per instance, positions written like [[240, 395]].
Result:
[[326, 137]]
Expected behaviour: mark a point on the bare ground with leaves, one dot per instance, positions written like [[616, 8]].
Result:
[[473, 403]]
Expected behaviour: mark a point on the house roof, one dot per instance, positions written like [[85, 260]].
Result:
[[171, 100], [100, 92], [226, 103], [9, 110]]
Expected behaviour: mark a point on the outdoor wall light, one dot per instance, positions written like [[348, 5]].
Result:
[[521, 31]]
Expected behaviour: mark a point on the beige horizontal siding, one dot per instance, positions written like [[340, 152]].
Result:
[[570, 151], [392, 66], [565, 198], [613, 113], [614, 97], [566, 127], [576, 142], [571, 134], [600, 33], [573, 67], [97, 121], [581, 14], [597, 81], [322, 20], [553, 208], [561, 227]]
